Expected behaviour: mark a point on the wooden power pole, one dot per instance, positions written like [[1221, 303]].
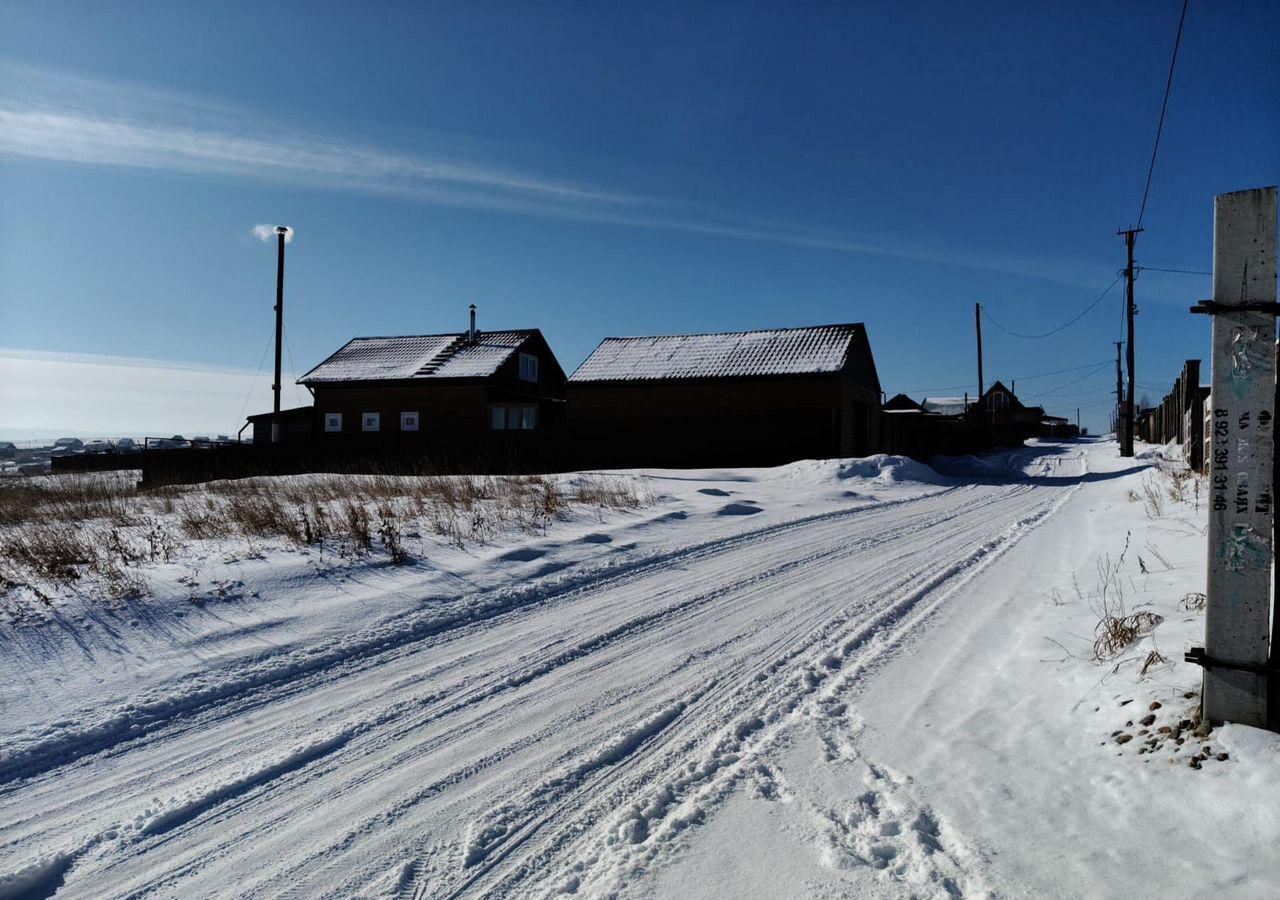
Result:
[[1126, 440]]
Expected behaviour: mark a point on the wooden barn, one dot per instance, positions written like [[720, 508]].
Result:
[[738, 398], [463, 391]]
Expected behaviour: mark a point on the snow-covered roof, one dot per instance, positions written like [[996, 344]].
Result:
[[417, 357], [944, 406], [780, 351]]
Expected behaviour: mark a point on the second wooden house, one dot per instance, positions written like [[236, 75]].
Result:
[[732, 398]]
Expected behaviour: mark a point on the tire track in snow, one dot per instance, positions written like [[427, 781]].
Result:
[[137, 719], [665, 807], [505, 681], [688, 557]]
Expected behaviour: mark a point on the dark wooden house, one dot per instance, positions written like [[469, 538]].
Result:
[[926, 429], [740, 398], [463, 391]]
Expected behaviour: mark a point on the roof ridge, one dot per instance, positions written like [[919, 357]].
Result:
[[632, 337], [400, 337]]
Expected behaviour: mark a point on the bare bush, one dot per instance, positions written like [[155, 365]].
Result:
[[392, 541]]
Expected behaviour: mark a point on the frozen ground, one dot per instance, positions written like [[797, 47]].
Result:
[[857, 678]]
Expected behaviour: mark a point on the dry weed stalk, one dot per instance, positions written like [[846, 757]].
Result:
[[1116, 628]]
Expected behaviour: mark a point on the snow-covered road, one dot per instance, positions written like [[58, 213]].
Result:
[[575, 733]]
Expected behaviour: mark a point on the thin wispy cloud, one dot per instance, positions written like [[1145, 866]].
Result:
[[62, 117], [93, 395]]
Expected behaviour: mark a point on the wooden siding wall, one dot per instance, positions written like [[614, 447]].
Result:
[[1179, 417], [731, 422], [449, 409]]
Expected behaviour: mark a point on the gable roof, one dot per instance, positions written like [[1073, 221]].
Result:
[[945, 406], [779, 351], [902, 403], [418, 357]]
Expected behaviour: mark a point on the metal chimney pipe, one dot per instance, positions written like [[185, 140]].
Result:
[[281, 233], [471, 334]]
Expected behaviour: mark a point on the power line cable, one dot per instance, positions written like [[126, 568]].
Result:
[[1089, 374], [957, 387], [254, 382], [1054, 331], [297, 398], [1175, 271], [1168, 86]]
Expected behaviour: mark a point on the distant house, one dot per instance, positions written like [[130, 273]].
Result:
[[946, 406], [442, 389], [8, 450], [1006, 419], [934, 426], [901, 403], [729, 398]]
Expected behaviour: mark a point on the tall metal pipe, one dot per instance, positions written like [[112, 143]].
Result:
[[281, 233], [977, 321]]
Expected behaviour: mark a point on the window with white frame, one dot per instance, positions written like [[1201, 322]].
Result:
[[513, 418], [528, 367], [408, 421], [333, 422], [371, 421]]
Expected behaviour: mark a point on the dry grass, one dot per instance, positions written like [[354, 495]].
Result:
[[96, 530], [1117, 628]]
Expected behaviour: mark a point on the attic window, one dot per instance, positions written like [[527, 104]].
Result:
[[528, 367]]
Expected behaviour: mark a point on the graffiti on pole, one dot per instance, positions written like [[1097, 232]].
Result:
[[1241, 451]]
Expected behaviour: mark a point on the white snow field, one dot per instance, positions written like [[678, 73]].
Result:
[[858, 678]]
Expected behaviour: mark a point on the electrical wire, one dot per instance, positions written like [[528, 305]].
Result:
[[1168, 86], [1089, 374], [957, 387], [1054, 331], [254, 382], [1175, 271], [293, 370]]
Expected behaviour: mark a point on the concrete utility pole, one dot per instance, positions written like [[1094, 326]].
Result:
[[1119, 386], [281, 233], [1126, 441], [977, 321], [1235, 655]]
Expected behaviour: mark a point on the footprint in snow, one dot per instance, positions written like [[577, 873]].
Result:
[[739, 509], [524, 554]]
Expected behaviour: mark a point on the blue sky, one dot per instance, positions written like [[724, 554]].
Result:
[[609, 169]]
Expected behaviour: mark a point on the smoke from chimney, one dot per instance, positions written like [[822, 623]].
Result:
[[268, 233]]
